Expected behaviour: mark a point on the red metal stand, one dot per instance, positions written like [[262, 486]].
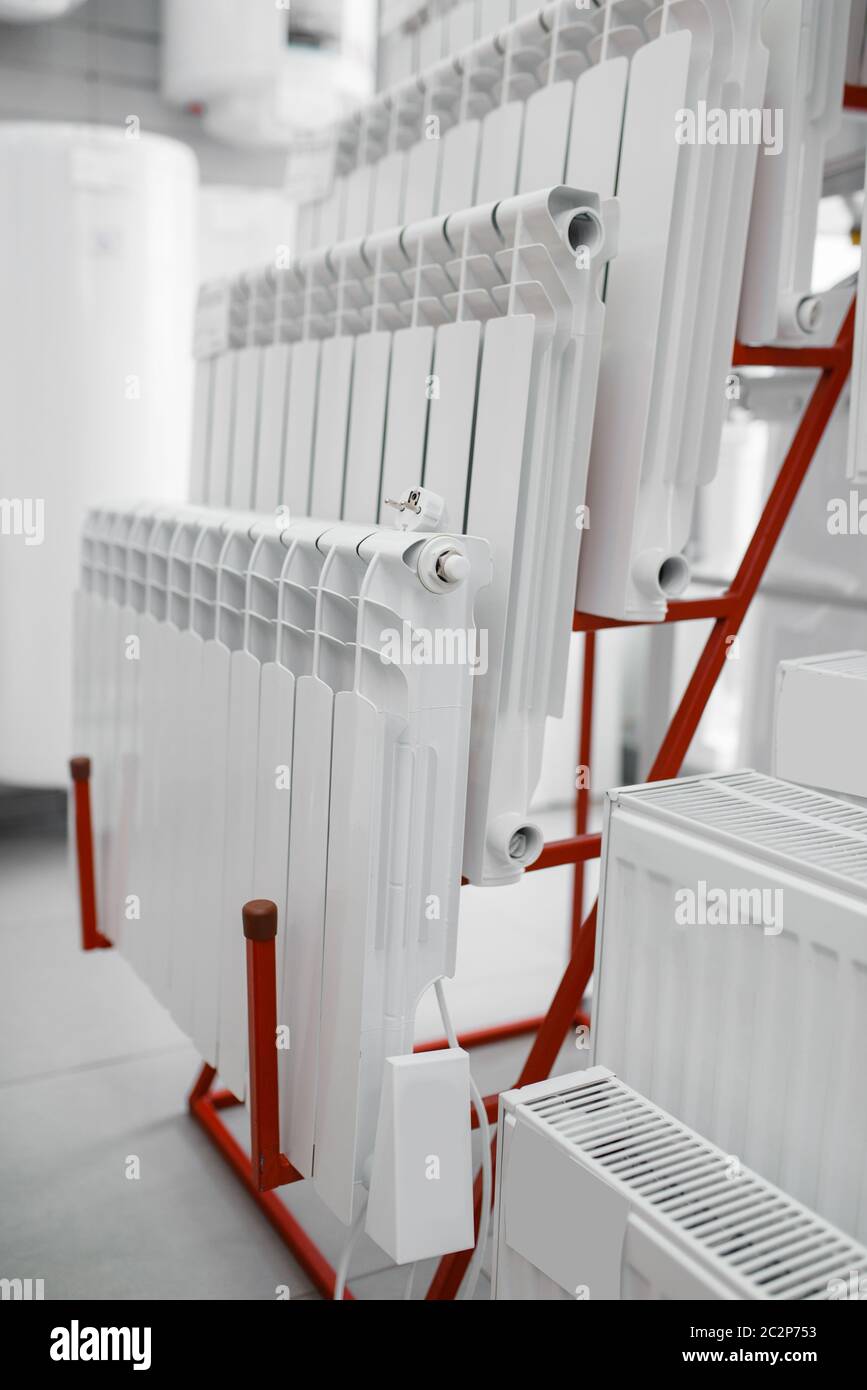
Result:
[[271, 1168], [205, 1105]]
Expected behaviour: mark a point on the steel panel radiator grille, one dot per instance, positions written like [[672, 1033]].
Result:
[[681, 1218], [732, 974]]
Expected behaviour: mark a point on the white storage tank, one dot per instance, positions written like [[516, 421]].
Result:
[[97, 283], [271, 73]]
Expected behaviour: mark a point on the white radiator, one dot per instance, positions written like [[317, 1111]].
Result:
[[731, 968], [602, 1195], [670, 305], [808, 42], [857, 452], [284, 713], [455, 358], [601, 98]]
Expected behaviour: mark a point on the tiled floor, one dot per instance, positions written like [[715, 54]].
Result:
[[94, 1075]]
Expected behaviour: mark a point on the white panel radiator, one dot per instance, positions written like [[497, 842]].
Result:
[[448, 367], [602, 1195], [731, 967], [282, 712]]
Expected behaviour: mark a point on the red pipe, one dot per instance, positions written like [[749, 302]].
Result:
[[92, 938], [687, 610], [499, 1032], [572, 851], [802, 358]]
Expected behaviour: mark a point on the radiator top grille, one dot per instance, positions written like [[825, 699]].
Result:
[[736, 1217], [847, 664], [766, 813]]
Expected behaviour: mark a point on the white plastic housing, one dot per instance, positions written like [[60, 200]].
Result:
[[421, 1187]]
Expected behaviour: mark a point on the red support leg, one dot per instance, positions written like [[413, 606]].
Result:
[[582, 802], [271, 1168], [91, 937], [303, 1250], [267, 1167]]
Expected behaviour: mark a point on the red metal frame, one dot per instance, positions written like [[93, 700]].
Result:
[[727, 611], [205, 1105]]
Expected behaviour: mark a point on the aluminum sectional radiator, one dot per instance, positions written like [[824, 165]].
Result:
[[731, 967], [602, 1195], [808, 43], [440, 375], [623, 98], [282, 712], [671, 303]]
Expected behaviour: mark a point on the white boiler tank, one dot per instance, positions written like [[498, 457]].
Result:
[[97, 282]]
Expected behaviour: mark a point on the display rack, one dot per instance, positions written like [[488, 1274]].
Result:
[[269, 1168]]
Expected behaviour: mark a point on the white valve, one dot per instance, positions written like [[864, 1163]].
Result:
[[442, 565], [453, 567]]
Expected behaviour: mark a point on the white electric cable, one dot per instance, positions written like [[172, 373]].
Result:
[[606, 30], [474, 1269], [407, 1293], [346, 1254]]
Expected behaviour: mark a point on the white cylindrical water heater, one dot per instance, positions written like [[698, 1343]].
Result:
[[97, 283], [268, 72]]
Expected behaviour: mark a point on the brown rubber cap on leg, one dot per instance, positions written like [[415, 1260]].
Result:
[[80, 769], [260, 920]]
